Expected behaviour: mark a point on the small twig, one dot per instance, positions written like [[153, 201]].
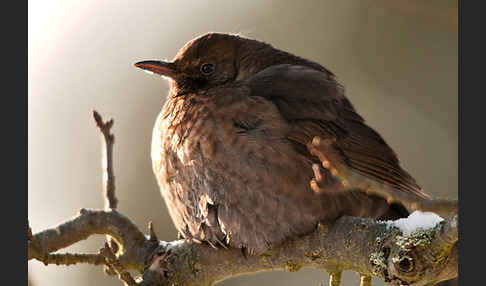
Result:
[[73, 258], [88, 222], [33, 249], [107, 160], [36, 251], [111, 202], [117, 267], [365, 280], [335, 278], [153, 236]]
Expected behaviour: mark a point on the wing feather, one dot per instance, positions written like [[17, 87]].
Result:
[[315, 106]]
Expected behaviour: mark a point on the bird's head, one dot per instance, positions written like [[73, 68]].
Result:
[[214, 59]]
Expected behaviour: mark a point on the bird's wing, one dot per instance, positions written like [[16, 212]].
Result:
[[314, 105]]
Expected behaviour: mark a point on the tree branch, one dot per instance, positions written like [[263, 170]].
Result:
[[363, 245], [133, 243]]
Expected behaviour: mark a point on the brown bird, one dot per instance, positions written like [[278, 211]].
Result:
[[255, 145]]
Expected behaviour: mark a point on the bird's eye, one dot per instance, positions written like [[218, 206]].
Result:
[[207, 68]]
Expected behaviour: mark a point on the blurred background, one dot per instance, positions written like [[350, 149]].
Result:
[[397, 59]]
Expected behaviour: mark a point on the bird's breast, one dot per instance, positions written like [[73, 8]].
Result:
[[203, 144], [224, 164], [177, 131]]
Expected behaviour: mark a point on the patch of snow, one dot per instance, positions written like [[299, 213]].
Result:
[[415, 221], [171, 244]]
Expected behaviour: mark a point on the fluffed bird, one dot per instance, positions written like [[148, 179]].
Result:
[[255, 145]]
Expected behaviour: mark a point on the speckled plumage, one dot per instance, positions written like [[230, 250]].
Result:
[[230, 153]]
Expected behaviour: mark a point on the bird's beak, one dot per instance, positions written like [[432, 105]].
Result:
[[167, 69]]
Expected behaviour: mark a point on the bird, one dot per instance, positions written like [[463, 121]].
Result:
[[255, 145]]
